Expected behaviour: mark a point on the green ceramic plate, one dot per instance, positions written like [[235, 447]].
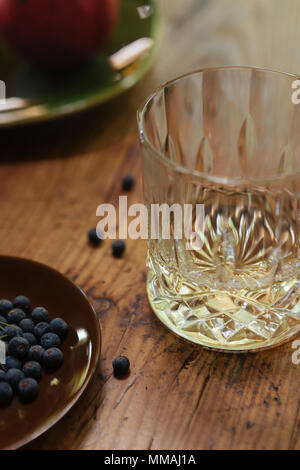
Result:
[[54, 94]]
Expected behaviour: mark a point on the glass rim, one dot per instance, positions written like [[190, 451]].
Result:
[[144, 139]]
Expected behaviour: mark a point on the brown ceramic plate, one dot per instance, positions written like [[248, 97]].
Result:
[[19, 423]]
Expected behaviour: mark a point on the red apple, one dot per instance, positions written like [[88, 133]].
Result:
[[58, 32]]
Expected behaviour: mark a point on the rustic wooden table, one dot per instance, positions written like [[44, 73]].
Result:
[[53, 176]]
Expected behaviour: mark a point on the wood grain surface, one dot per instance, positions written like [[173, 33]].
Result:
[[53, 177]]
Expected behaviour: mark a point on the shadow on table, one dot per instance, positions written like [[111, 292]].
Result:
[[81, 133]]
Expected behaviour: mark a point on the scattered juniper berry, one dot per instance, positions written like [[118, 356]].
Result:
[[93, 237], [128, 183], [118, 248], [121, 366]]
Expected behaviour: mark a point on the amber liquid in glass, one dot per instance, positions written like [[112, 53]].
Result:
[[239, 290]]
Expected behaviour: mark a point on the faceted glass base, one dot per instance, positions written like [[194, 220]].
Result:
[[237, 321]]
